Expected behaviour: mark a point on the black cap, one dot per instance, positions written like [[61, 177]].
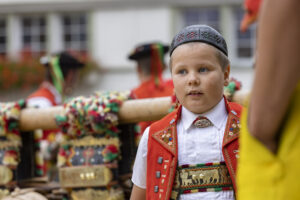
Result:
[[145, 50], [68, 61], [199, 33]]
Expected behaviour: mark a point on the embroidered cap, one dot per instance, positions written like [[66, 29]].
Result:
[[199, 33]]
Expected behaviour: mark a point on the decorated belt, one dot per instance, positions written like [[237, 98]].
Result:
[[87, 176], [210, 177]]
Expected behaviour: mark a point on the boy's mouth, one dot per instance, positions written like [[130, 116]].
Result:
[[195, 93]]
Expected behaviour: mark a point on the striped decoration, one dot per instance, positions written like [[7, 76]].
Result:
[[201, 165], [218, 189]]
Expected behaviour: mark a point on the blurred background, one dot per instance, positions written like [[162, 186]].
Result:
[[103, 33]]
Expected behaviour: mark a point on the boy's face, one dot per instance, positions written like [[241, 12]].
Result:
[[197, 76]]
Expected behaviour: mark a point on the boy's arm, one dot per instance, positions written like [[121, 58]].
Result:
[[138, 193], [277, 69], [140, 169]]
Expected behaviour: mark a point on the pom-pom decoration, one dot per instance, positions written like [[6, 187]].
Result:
[[9, 120], [233, 86], [92, 115]]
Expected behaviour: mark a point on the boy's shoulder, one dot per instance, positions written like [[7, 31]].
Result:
[[166, 122], [235, 107]]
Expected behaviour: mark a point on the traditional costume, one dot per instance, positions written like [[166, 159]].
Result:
[[48, 94], [156, 86], [212, 151], [189, 156]]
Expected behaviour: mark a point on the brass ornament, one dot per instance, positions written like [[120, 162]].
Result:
[[85, 176], [3, 193], [202, 122], [92, 141], [6, 175], [92, 194]]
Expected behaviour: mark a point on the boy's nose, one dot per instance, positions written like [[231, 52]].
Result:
[[193, 79]]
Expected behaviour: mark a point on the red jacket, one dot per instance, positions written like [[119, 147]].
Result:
[[148, 89], [46, 90], [163, 153]]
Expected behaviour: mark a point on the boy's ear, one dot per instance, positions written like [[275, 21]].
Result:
[[226, 75]]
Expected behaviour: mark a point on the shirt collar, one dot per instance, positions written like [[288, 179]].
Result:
[[216, 115]]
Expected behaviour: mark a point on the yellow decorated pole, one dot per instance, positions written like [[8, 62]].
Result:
[[131, 111]]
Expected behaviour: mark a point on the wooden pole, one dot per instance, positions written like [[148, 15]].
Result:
[[131, 111]]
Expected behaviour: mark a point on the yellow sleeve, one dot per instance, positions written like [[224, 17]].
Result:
[[255, 161], [262, 175]]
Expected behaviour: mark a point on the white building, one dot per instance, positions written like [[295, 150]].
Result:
[[109, 29]]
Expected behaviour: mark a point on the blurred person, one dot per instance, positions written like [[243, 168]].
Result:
[[251, 13], [150, 66], [61, 73], [270, 140]]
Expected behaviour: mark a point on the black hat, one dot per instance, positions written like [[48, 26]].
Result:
[[68, 61], [199, 33], [145, 50], [65, 61]]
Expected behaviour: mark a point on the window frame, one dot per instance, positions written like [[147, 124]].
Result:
[[36, 32], [75, 32]]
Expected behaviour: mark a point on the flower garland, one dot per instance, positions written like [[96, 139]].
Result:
[[10, 139], [95, 116], [92, 115], [233, 86], [9, 120]]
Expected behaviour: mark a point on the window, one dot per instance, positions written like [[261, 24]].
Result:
[[75, 32], [208, 16], [34, 34], [3, 38], [245, 41]]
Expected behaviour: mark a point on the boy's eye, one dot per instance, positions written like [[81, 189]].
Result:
[[203, 69], [182, 71]]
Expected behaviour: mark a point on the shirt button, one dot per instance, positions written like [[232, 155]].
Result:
[[157, 174], [160, 160], [156, 189]]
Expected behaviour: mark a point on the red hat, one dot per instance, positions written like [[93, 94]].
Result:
[[252, 9]]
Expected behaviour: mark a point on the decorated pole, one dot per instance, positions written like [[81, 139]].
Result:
[[131, 111]]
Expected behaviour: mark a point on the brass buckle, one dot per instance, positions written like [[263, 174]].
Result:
[[86, 176]]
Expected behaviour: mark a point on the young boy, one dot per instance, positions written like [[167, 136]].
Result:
[[192, 152]]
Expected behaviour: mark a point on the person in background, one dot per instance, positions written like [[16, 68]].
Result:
[[270, 137], [251, 13], [60, 76], [150, 66]]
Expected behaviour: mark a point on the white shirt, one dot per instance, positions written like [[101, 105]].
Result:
[[195, 146]]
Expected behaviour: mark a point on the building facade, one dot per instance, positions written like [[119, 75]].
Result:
[[109, 29]]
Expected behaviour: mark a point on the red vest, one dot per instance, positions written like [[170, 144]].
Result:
[[162, 154], [45, 91]]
